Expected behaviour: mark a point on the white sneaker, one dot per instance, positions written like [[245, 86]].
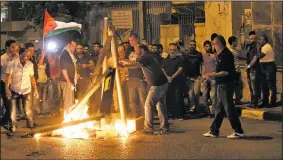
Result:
[[235, 135], [209, 134]]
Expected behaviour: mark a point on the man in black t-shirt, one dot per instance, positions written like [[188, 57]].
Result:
[[193, 68], [68, 76], [84, 65], [224, 77], [173, 68], [156, 97], [253, 70]]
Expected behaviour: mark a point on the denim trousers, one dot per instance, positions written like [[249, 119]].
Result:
[[254, 85], [225, 105], [43, 105], [137, 96], [27, 105], [209, 88], [156, 98], [238, 91], [54, 94], [194, 91]]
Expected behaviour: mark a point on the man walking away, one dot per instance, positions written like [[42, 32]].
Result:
[[224, 77], [238, 78], [156, 97], [209, 85], [266, 58], [193, 63]]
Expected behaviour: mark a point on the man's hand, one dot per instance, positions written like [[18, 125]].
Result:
[[170, 79], [204, 77], [35, 94], [43, 53], [70, 85], [8, 94], [124, 62], [78, 76], [83, 66]]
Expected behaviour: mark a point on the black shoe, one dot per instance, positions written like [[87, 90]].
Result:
[[6, 126], [212, 116], [253, 106], [10, 134], [239, 103], [264, 105]]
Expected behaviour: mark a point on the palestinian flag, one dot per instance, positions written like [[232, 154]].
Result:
[[56, 34]]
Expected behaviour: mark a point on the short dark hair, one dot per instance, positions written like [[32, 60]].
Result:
[[134, 35], [206, 42], [73, 40], [252, 33], [9, 42], [193, 41], [172, 44], [126, 42], [97, 43], [144, 47], [265, 38], [232, 39], [86, 45], [29, 44], [160, 46], [213, 35], [221, 40], [155, 45]]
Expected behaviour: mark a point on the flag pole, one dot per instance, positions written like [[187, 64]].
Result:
[[43, 29]]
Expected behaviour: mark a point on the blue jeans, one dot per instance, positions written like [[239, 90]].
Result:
[[254, 85], [209, 89], [194, 92], [156, 98], [27, 105], [238, 87], [43, 104], [54, 94]]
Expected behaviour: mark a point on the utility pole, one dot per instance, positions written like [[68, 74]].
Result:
[[141, 20]]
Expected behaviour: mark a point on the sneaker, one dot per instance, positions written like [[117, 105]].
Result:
[[235, 135], [180, 118], [209, 134], [238, 103], [10, 134]]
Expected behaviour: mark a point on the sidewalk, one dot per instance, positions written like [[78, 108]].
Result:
[[270, 114]]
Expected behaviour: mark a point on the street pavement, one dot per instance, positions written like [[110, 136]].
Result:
[[263, 140]]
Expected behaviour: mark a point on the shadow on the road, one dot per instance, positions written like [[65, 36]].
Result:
[[257, 138]]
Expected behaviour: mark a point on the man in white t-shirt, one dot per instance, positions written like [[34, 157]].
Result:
[[268, 68], [20, 88], [6, 58]]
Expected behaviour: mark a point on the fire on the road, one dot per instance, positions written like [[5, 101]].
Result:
[[88, 129]]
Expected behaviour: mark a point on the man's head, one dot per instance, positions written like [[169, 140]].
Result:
[[213, 35], [79, 49], [154, 48], [232, 41], [86, 47], [121, 52], [149, 47], [143, 49], [133, 39], [192, 45], [126, 45], [252, 37], [172, 48], [72, 44], [96, 47], [263, 39], [207, 46], [219, 43], [30, 47], [25, 56], [17, 50], [10, 46]]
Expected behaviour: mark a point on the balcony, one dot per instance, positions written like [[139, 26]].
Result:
[[13, 26]]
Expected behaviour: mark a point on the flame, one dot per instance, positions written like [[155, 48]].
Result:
[[84, 130], [77, 131]]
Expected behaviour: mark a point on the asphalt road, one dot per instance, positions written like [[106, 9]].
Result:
[[263, 141]]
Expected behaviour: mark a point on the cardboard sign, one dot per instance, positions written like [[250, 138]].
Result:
[[123, 19], [107, 94]]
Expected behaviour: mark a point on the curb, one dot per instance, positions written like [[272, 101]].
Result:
[[259, 114]]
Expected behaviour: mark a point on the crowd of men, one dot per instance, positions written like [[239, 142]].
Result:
[[152, 80]]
